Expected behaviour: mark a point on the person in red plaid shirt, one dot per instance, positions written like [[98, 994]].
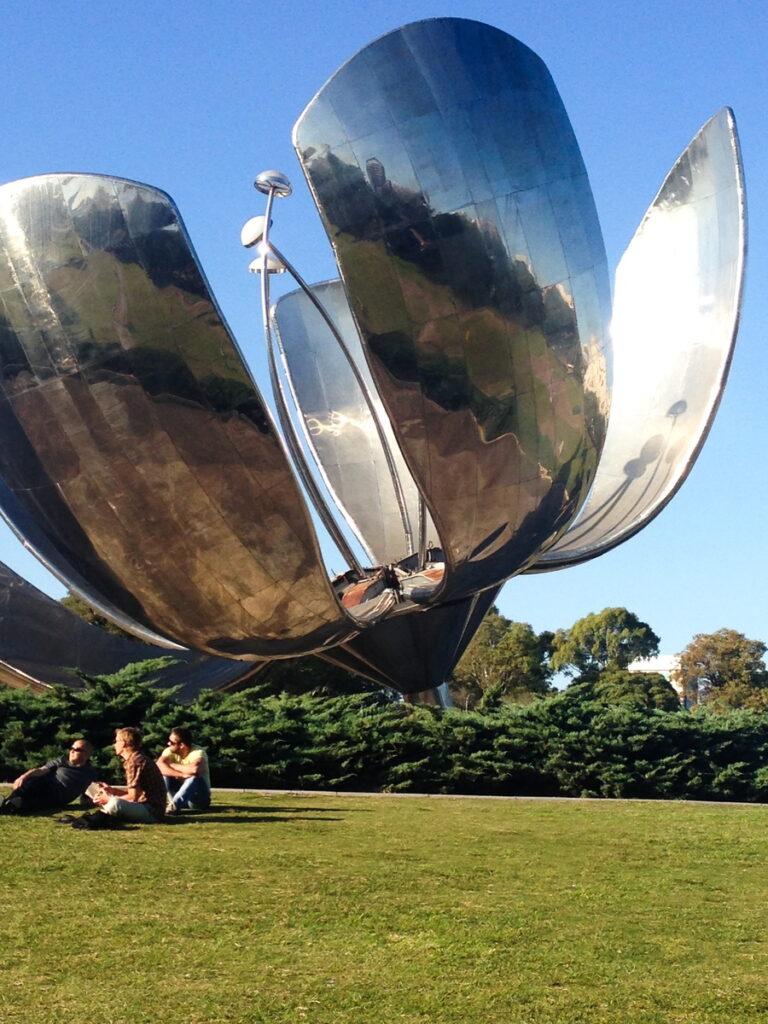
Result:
[[143, 797]]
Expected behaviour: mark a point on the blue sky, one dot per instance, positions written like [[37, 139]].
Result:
[[197, 96]]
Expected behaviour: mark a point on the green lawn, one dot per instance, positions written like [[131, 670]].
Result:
[[353, 910]]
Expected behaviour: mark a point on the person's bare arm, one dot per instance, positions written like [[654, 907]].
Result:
[[167, 768], [177, 771], [107, 791], [112, 790]]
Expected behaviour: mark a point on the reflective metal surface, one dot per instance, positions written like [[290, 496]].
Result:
[[133, 437], [414, 654], [454, 195], [41, 641], [273, 181], [678, 291], [138, 460], [338, 424]]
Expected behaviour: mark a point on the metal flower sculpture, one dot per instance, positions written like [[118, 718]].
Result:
[[456, 393]]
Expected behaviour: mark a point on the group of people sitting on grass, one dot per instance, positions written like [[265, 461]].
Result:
[[179, 779]]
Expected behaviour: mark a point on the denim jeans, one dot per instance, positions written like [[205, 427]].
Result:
[[193, 792]]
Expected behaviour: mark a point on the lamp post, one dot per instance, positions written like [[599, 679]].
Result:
[[270, 261]]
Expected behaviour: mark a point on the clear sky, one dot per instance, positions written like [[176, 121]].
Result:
[[197, 96]]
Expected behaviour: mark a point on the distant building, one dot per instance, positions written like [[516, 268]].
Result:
[[667, 665]]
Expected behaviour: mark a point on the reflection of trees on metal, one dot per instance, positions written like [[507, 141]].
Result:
[[450, 393]]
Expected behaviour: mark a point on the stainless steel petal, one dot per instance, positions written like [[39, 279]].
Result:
[[37, 541], [133, 438], [678, 293], [41, 642], [453, 192], [339, 426], [416, 653]]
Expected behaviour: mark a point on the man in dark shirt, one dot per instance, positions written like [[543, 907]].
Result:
[[54, 785], [143, 797]]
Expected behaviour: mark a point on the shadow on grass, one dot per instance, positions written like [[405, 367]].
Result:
[[281, 810], [221, 814], [233, 819], [241, 816]]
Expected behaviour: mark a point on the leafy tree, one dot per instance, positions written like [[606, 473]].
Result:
[[505, 661], [522, 657], [476, 671], [649, 690], [609, 639], [617, 687], [725, 671]]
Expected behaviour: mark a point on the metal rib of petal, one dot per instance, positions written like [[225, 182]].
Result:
[[678, 293], [453, 192], [414, 654], [41, 642], [132, 436], [339, 426]]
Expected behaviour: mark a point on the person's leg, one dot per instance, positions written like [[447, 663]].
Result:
[[172, 786], [35, 794], [128, 810], [193, 793], [10, 804]]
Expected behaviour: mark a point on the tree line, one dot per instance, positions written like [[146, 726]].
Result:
[[508, 661]]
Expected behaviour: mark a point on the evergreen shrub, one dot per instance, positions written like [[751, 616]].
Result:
[[572, 744]]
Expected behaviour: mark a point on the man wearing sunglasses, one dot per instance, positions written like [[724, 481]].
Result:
[[186, 774], [140, 800], [55, 784]]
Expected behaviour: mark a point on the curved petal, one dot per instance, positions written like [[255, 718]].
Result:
[[132, 438], [453, 192], [339, 426], [678, 293], [415, 654], [41, 641]]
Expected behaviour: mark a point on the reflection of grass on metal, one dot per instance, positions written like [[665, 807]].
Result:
[[336, 910], [126, 307]]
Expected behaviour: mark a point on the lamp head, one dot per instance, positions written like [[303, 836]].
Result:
[[253, 231], [272, 264], [273, 181]]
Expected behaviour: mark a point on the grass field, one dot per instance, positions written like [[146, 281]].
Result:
[[354, 910]]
